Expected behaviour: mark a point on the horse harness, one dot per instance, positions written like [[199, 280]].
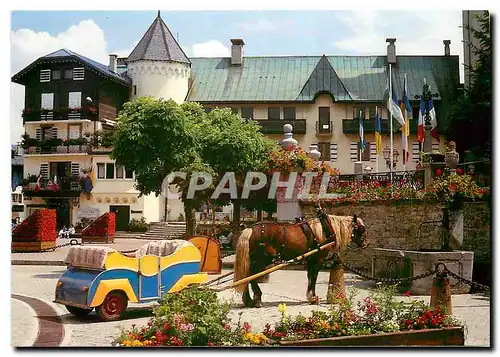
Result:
[[307, 231]]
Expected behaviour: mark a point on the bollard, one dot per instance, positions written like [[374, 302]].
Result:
[[441, 292], [336, 283]]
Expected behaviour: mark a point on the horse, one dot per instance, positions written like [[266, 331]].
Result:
[[264, 242]]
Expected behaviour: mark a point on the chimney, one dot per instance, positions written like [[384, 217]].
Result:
[[391, 50], [237, 51], [446, 47], [113, 59]]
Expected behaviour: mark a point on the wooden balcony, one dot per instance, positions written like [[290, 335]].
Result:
[[58, 115], [66, 187], [351, 126], [276, 126]]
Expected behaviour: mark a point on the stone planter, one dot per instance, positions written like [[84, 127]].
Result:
[[396, 263], [448, 336]]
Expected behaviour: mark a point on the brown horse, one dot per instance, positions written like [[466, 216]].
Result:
[[258, 246]]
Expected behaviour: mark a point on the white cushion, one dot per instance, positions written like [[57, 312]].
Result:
[[87, 257], [162, 248]]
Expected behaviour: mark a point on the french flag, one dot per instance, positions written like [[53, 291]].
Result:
[[421, 122]]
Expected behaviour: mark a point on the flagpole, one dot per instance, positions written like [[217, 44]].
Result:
[[378, 154], [390, 121], [404, 138]]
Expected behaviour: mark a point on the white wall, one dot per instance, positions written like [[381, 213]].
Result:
[[160, 79]]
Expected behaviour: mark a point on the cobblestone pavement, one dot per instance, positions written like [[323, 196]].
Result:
[[284, 286]]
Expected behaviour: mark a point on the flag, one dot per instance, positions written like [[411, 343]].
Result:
[[407, 114], [378, 133], [392, 104], [432, 113], [421, 121], [362, 142]]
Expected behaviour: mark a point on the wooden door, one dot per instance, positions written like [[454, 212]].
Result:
[[122, 214]]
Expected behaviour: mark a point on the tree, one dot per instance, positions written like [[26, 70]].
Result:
[[155, 137], [470, 117]]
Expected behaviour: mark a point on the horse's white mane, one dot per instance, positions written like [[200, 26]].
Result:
[[342, 226]]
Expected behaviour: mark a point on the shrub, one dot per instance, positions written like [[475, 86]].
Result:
[[138, 225], [191, 317]]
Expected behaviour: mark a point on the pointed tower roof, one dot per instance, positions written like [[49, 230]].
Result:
[[158, 44]]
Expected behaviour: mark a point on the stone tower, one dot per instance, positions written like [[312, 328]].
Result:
[[158, 66]]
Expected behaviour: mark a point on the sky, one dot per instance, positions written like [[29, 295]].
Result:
[[96, 34]]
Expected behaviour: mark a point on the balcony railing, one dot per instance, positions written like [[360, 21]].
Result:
[[60, 149], [65, 187], [351, 126], [276, 126], [59, 114], [324, 128]]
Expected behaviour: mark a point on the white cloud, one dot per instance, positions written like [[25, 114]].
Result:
[[265, 25], [210, 48], [85, 38], [417, 32]]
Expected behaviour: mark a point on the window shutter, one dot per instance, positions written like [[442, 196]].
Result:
[[45, 75], [54, 132], [354, 151], [333, 152], [75, 169], [373, 152], [415, 154], [38, 134], [44, 170], [78, 74]]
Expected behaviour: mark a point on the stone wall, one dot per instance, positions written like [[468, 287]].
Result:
[[409, 226]]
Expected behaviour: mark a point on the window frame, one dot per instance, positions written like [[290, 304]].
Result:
[[271, 110], [285, 109], [66, 72], [355, 112], [110, 168], [53, 76], [244, 115], [103, 166], [119, 168]]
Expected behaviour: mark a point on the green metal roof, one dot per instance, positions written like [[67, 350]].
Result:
[[296, 78]]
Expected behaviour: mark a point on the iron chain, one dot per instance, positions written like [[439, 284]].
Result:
[[468, 282], [386, 280]]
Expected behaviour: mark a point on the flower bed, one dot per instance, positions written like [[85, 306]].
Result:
[[195, 317], [102, 229]]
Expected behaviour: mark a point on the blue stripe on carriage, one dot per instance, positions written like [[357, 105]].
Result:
[[112, 274], [72, 282], [149, 286], [170, 275]]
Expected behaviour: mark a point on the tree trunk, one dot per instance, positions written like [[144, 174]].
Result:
[[259, 215], [190, 218], [236, 212], [269, 215], [336, 283]]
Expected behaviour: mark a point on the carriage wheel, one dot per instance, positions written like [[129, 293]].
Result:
[[78, 311], [113, 306]]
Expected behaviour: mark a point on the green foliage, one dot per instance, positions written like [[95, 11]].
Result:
[[153, 138], [138, 225], [471, 116], [192, 317]]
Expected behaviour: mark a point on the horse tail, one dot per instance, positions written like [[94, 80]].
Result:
[[242, 261]]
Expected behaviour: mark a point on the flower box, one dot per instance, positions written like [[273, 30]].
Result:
[[447, 336], [101, 230]]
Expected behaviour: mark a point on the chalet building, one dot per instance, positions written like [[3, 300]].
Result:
[[321, 96]]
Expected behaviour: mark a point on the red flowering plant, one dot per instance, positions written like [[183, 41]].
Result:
[[40, 226], [377, 313], [191, 317], [104, 226]]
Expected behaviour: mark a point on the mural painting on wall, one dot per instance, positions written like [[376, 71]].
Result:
[[88, 212]]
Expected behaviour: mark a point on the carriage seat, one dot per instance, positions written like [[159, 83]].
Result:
[[162, 248], [88, 257]]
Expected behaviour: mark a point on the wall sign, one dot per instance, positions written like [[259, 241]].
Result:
[[132, 211], [88, 212]]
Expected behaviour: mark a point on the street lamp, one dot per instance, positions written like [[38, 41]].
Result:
[[387, 156]]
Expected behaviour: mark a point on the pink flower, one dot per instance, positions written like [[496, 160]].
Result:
[[407, 293]]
